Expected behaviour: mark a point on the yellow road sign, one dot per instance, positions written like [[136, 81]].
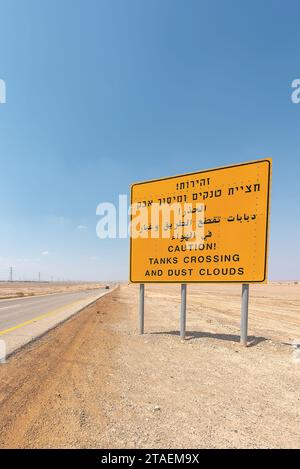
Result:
[[209, 226]]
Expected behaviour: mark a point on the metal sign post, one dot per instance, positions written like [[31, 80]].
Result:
[[141, 307], [183, 311], [234, 201], [244, 314]]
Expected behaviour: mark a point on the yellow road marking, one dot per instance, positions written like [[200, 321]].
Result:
[[42, 316]]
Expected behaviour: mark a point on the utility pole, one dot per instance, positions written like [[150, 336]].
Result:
[[11, 274], [39, 276]]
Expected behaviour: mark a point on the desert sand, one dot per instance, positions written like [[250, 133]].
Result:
[[94, 382], [21, 289]]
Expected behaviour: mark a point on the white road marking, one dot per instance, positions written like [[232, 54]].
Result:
[[8, 307]]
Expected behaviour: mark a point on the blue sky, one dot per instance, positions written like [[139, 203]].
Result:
[[104, 93]]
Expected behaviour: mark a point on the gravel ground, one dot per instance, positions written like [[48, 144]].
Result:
[[93, 382]]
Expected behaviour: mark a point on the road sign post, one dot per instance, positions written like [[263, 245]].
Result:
[[205, 227], [183, 311], [142, 308], [244, 314]]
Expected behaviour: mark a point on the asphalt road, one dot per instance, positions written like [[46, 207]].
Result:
[[18, 311]]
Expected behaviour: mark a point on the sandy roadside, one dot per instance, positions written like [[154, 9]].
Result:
[[93, 382], [22, 289]]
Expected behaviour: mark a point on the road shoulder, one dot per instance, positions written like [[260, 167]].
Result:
[[18, 336]]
